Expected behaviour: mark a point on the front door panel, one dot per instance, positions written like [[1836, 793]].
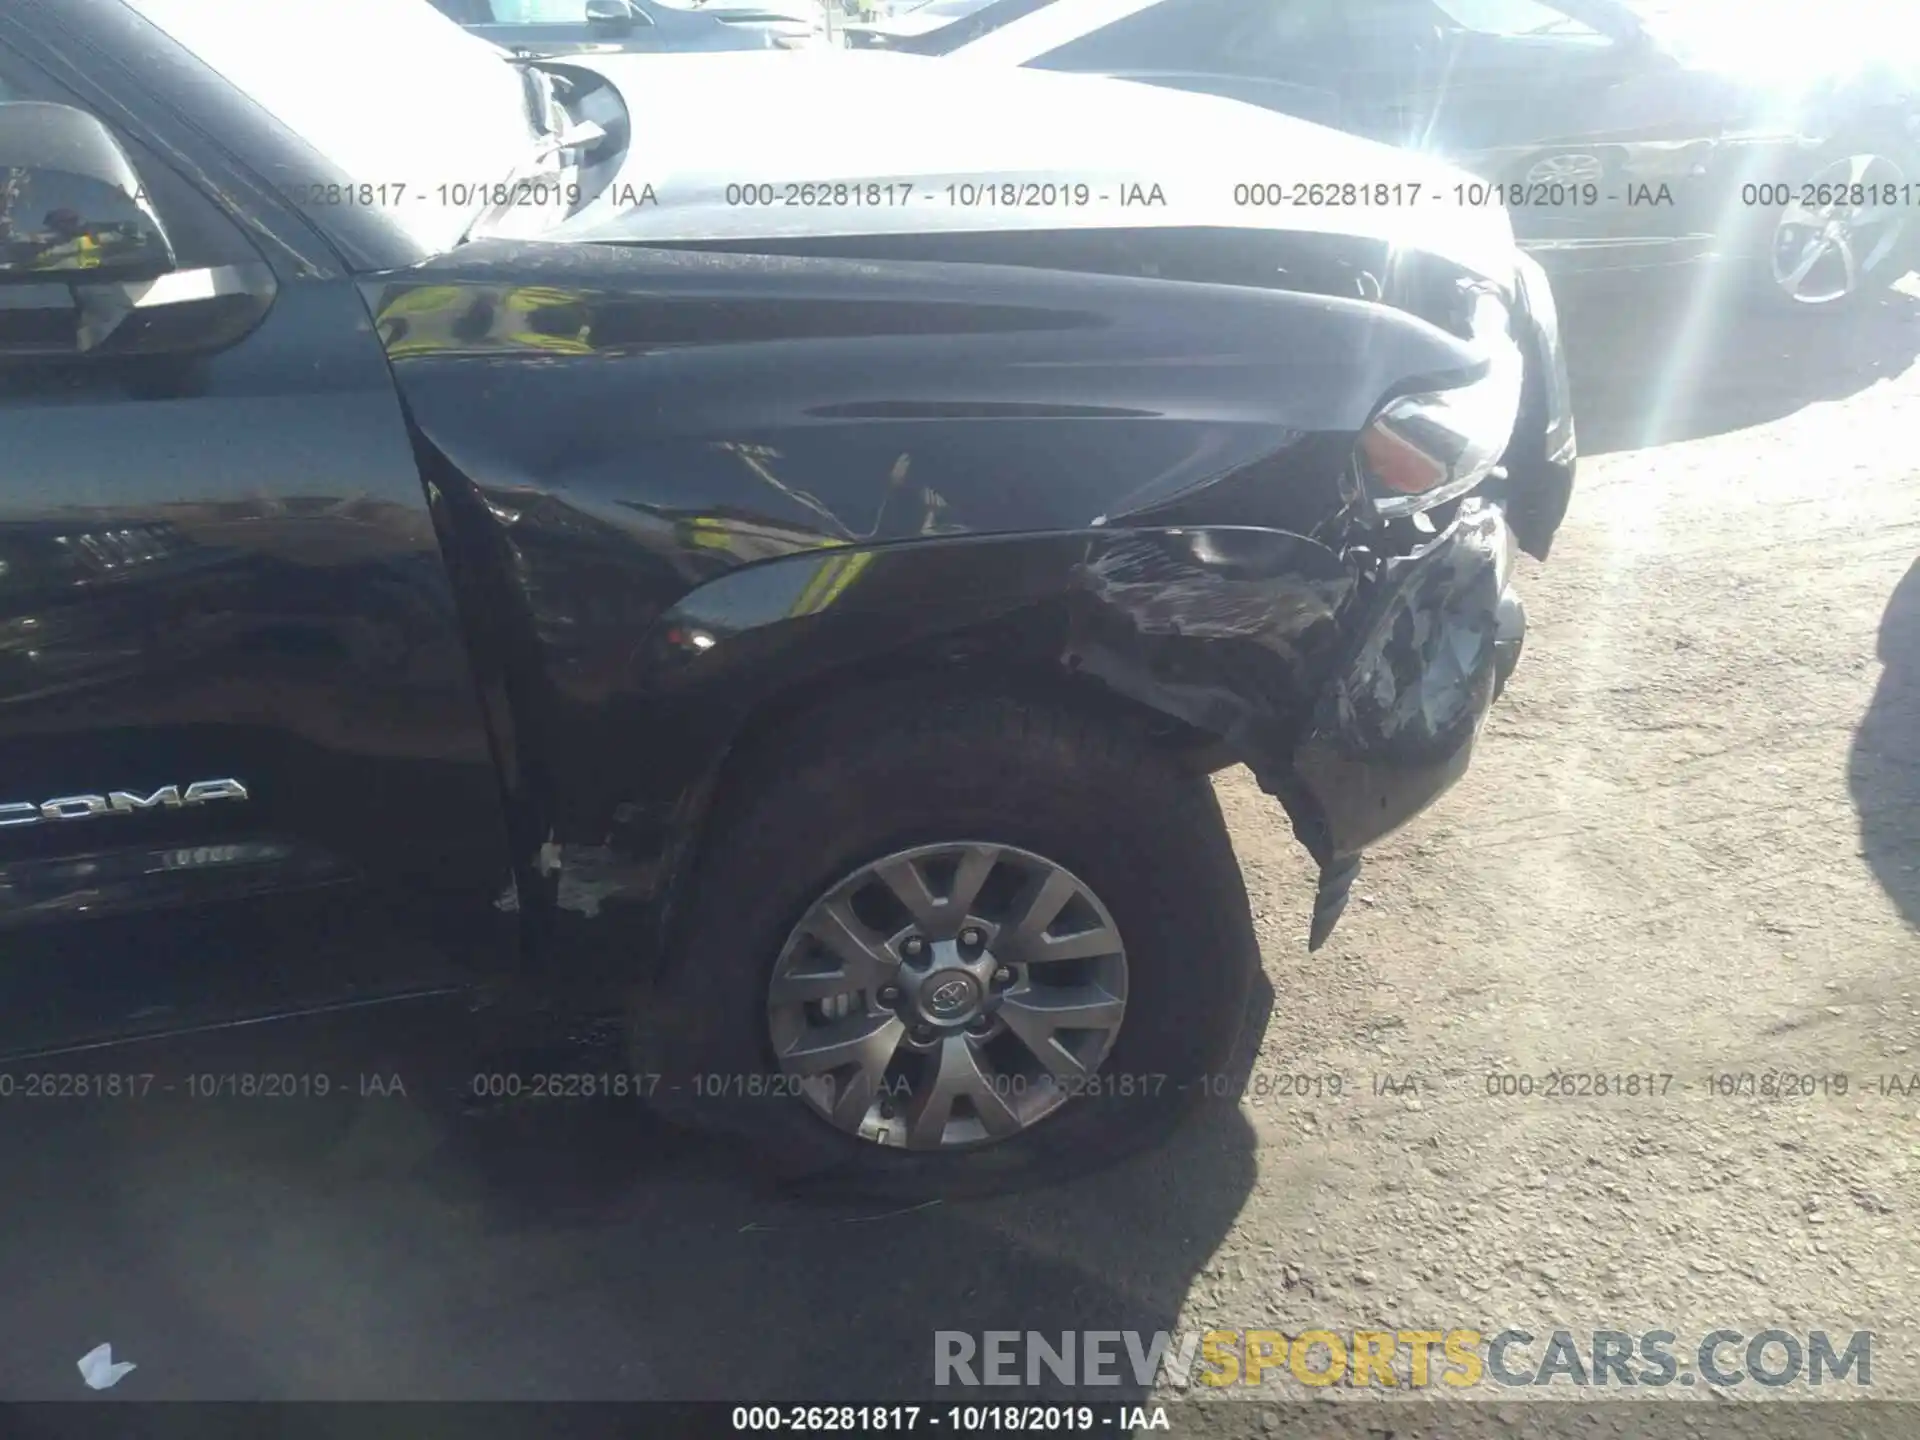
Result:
[[242, 763]]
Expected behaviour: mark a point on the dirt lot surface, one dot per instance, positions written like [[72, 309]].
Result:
[[1689, 848]]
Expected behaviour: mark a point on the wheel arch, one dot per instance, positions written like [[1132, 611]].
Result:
[[1201, 643]]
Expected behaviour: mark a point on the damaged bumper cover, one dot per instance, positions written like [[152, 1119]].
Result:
[[1232, 630], [1429, 644], [1399, 657], [1434, 635]]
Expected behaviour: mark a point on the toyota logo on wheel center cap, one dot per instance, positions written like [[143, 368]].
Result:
[[951, 997]]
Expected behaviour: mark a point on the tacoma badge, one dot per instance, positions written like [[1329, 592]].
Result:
[[119, 802]]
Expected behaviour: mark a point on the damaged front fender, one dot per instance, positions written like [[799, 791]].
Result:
[[1224, 629], [1352, 686], [1229, 630]]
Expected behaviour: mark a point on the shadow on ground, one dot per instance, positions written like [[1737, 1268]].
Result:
[[1663, 357], [1883, 770], [369, 1245]]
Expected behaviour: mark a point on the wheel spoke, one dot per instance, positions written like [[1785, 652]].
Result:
[[864, 1040], [1857, 168], [975, 866], [798, 987], [1879, 215], [939, 916], [861, 953], [1850, 268], [1027, 941], [908, 883], [1803, 267], [1798, 215], [1037, 1015], [927, 1116], [855, 1093], [1880, 249], [1039, 909], [1081, 945], [996, 1116], [957, 1072]]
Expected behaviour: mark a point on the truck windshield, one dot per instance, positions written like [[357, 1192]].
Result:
[[392, 92], [1014, 32]]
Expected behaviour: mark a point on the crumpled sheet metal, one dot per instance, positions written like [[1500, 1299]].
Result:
[[1397, 724], [1425, 666], [1224, 629], [1265, 586]]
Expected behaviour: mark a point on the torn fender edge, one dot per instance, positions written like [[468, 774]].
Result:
[[1268, 597]]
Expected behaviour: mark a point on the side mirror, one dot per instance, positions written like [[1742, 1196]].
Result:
[[616, 14], [71, 204]]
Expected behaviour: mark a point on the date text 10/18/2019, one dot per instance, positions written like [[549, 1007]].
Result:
[[951, 1419]]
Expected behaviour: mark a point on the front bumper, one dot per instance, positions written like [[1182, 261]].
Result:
[[1431, 636], [1428, 644], [1354, 684]]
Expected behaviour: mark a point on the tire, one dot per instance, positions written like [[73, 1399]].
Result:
[[886, 772]]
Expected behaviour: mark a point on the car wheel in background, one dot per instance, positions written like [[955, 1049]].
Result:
[[1565, 167], [1846, 232]]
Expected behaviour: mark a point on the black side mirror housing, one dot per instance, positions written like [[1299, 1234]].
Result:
[[71, 204]]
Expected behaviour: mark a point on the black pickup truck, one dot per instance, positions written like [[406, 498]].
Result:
[[790, 590]]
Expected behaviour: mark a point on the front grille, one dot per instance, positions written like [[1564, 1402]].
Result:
[[1435, 290]]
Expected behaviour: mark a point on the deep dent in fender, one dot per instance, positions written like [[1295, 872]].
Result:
[[1225, 629]]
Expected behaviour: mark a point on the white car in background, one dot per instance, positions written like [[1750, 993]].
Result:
[[908, 20], [790, 24]]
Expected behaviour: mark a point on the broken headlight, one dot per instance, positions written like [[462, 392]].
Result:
[[1424, 449]]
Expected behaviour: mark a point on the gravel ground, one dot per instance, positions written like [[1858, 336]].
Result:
[[1688, 846]]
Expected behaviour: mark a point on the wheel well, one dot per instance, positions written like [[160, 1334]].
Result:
[[757, 745], [934, 678]]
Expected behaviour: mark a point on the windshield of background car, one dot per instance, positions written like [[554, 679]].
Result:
[[539, 12], [1232, 35], [1225, 37], [402, 100], [943, 9], [1772, 42], [1517, 19], [1014, 32]]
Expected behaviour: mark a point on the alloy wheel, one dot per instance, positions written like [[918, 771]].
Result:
[[1842, 238], [1569, 167], [947, 995]]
